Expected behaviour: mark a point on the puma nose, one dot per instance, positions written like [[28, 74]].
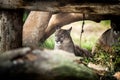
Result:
[[58, 41]]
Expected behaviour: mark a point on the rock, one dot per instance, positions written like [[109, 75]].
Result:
[[47, 65]]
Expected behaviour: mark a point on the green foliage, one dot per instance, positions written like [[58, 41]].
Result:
[[105, 23], [116, 48], [25, 15], [110, 60], [104, 58], [89, 43], [49, 43]]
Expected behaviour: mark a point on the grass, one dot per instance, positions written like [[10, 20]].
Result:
[[86, 43], [49, 43]]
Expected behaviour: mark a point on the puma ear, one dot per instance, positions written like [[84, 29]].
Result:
[[70, 29]]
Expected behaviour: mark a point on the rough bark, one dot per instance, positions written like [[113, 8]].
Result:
[[39, 64], [82, 6], [10, 29], [34, 27]]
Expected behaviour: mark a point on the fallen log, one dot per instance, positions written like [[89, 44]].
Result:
[[81, 6]]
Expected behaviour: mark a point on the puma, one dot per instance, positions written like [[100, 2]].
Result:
[[64, 41]]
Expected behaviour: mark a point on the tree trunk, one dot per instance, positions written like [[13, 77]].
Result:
[[10, 29], [34, 27]]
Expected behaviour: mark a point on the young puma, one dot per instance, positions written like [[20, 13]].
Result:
[[64, 41]]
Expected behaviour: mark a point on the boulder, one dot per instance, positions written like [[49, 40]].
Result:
[[43, 64]]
